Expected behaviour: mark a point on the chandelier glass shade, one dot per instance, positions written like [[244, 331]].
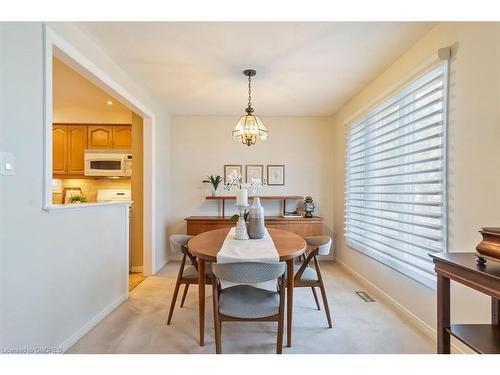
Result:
[[250, 128]]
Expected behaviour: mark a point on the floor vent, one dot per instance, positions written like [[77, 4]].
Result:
[[365, 297]]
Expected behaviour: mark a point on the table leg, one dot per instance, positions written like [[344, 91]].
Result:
[[201, 299], [289, 301], [443, 314], [495, 311]]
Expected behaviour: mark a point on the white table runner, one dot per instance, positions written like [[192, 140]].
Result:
[[261, 250]]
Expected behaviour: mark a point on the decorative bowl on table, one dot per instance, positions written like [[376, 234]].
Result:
[[489, 247]]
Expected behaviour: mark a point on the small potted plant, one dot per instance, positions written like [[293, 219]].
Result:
[[215, 181], [236, 217], [77, 198]]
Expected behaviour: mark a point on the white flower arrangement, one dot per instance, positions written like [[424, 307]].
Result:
[[234, 179], [254, 186]]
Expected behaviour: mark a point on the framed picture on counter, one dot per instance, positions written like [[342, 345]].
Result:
[[254, 172], [276, 175], [70, 191], [231, 170]]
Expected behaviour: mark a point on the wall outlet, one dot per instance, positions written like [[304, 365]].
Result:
[[6, 163]]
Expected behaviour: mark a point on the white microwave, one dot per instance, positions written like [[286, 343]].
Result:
[[108, 163]]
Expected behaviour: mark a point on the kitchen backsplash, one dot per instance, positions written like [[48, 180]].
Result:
[[90, 186]]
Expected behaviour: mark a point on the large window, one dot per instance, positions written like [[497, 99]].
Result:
[[396, 177]]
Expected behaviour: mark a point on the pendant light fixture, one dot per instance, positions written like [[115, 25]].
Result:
[[249, 127]]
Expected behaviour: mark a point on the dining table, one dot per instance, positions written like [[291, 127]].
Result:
[[205, 247]]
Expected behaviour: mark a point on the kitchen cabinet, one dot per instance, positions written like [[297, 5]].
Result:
[[59, 149], [68, 146], [70, 141], [110, 136], [122, 136], [77, 143], [100, 136]]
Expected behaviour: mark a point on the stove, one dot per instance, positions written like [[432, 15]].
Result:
[[112, 195]]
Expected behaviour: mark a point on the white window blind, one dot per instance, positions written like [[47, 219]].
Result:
[[395, 199]]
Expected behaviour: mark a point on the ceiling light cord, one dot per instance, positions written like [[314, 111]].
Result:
[[249, 92]]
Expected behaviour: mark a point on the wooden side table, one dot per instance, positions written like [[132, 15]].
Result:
[[463, 268]]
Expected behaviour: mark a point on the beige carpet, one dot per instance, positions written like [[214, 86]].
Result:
[[139, 324]]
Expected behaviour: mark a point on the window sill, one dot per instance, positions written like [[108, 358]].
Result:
[[57, 208]]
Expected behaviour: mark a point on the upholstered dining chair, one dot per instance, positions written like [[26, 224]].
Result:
[[307, 276], [187, 274], [245, 303]]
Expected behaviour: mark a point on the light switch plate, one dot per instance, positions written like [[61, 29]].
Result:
[[6, 163]]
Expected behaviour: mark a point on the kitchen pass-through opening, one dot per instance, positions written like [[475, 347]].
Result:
[[97, 153]]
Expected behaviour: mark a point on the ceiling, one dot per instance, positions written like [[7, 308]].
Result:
[[303, 68], [71, 90]]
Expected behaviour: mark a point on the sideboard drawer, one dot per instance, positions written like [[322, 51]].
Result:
[[304, 227]]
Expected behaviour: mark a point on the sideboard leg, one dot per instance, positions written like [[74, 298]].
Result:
[[443, 314], [495, 311]]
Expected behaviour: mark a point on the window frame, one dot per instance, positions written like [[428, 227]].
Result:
[[428, 280]]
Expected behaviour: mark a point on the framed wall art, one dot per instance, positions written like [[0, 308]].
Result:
[[232, 170], [253, 171], [276, 175]]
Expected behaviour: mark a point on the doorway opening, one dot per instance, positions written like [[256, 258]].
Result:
[[99, 139], [97, 153]]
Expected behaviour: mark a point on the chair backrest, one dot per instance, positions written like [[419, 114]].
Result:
[[178, 241], [248, 272], [323, 243]]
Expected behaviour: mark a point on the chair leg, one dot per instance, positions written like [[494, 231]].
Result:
[[315, 298], [281, 318], [172, 303], [217, 322], [176, 290], [186, 287], [323, 293], [279, 345]]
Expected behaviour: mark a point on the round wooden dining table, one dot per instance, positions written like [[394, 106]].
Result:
[[205, 247]]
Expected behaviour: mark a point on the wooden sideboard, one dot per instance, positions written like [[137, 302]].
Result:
[[304, 227]]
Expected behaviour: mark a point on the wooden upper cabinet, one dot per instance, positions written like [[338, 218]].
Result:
[[59, 149], [70, 141], [100, 136], [122, 136], [77, 143]]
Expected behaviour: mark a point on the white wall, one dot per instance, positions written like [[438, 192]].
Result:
[[163, 184], [474, 154], [58, 272], [201, 145]]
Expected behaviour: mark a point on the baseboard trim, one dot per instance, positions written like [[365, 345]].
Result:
[[92, 323], [412, 318], [137, 269], [161, 265]]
